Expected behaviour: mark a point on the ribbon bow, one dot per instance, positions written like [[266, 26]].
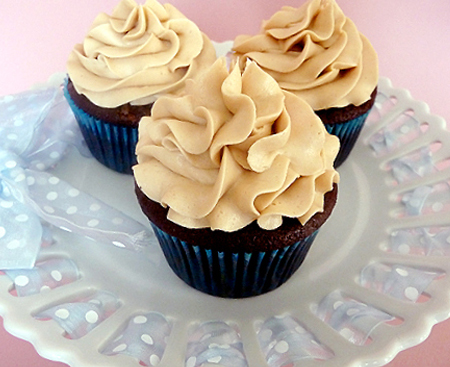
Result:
[[36, 130]]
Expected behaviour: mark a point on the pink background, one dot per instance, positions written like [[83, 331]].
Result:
[[412, 38]]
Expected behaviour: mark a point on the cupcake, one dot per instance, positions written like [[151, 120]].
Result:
[[236, 178], [126, 61], [318, 54]]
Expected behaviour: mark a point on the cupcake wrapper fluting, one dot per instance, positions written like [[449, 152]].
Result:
[[232, 274], [348, 133], [112, 145]]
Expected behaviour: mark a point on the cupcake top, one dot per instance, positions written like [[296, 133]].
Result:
[[316, 52], [137, 53], [235, 149]]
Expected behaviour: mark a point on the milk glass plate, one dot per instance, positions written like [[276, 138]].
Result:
[[373, 284]]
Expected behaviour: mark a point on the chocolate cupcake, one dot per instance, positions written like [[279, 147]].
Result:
[[236, 178], [317, 53], [126, 61]]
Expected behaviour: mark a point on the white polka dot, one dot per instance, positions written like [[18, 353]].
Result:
[[224, 346], [91, 317], [55, 155], [20, 178], [21, 280], [404, 249], [10, 164], [6, 204], [93, 223], [18, 122], [300, 330], [95, 207], [120, 348], [117, 221], [147, 339], [216, 359], [347, 333], [411, 293], [13, 245], [402, 272], [49, 209], [191, 362], [140, 320], [40, 166], [2, 232], [22, 218], [54, 180], [405, 129], [118, 244], [337, 304], [282, 347], [62, 313], [448, 239], [56, 275], [154, 360], [71, 210], [352, 312], [280, 317], [51, 196], [73, 193], [12, 137], [437, 207], [31, 181], [45, 288]]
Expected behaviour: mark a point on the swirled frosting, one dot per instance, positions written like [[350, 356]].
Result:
[[316, 52], [234, 149], [138, 53]]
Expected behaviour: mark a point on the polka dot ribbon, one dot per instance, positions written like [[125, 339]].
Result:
[[81, 317], [284, 341], [145, 338], [215, 343], [36, 129], [352, 319]]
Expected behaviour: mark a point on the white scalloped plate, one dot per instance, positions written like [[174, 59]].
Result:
[[357, 235]]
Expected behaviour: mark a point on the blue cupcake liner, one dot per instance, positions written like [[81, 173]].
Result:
[[112, 145], [347, 132], [232, 274]]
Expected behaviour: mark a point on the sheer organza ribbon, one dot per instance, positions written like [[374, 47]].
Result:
[[36, 130]]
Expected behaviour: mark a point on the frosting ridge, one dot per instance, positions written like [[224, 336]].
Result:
[[138, 52], [222, 156], [315, 52]]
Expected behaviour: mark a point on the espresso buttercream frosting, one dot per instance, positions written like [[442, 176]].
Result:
[[316, 52], [235, 149], [137, 54]]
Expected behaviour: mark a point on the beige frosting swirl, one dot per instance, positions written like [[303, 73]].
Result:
[[316, 52], [234, 149], [137, 53]]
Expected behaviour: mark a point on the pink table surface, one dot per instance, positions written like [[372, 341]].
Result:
[[412, 38]]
